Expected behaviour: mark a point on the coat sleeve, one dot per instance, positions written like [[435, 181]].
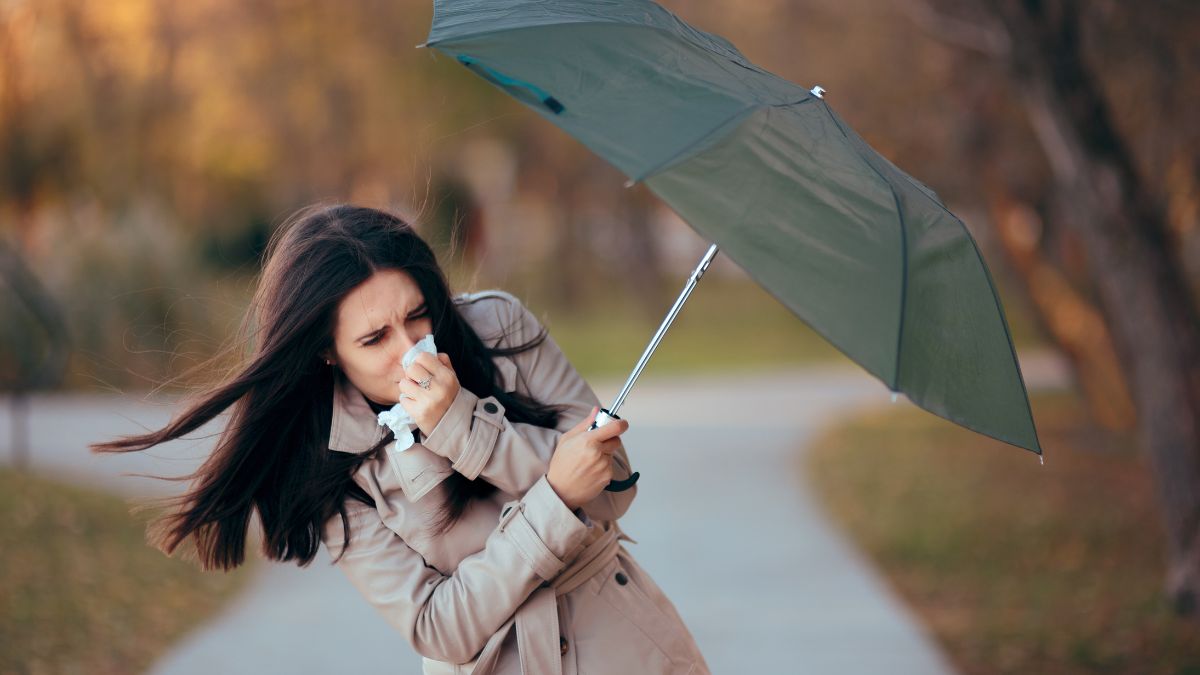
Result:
[[450, 618], [479, 441]]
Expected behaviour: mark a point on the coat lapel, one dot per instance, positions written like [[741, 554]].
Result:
[[355, 429]]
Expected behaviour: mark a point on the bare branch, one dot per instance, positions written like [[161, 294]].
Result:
[[989, 38]]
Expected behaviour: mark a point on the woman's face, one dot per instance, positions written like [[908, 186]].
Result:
[[377, 322]]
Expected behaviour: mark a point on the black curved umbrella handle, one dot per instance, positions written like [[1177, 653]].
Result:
[[604, 417], [622, 485]]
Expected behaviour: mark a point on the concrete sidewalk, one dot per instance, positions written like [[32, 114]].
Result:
[[725, 524]]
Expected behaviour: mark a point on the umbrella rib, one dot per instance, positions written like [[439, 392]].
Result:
[[895, 383], [903, 278], [1007, 335], [687, 150], [991, 286]]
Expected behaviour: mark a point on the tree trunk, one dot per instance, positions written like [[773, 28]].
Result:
[[1073, 322], [1142, 291], [18, 412]]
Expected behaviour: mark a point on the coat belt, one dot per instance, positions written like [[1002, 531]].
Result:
[[536, 620]]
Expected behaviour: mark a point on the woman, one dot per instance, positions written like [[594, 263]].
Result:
[[490, 543]]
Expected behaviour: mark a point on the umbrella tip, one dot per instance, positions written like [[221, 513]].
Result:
[[630, 183], [893, 397], [818, 91]]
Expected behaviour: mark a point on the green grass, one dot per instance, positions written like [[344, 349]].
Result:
[[607, 339], [1015, 567], [81, 591]]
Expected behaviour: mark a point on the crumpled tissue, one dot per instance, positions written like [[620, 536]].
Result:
[[397, 418]]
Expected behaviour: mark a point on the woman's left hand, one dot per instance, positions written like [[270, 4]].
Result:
[[427, 406]]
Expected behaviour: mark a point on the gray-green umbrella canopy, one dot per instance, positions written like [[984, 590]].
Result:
[[862, 252]]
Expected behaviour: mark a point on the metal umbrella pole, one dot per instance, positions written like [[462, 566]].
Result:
[[606, 415]]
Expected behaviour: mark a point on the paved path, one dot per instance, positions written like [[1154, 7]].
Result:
[[725, 521]]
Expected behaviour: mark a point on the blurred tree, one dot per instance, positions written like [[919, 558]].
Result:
[[35, 161], [1103, 88], [144, 141], [1071, 319], [454, 226], [35, 343], [638, 252], [560, 168]]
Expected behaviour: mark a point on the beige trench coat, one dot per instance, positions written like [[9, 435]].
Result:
[[520, 584]]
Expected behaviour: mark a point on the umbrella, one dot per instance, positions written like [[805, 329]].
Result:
[[866, 255]]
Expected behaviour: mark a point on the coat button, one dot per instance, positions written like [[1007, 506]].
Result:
[[490, 407], [622, 579], [562, 644]]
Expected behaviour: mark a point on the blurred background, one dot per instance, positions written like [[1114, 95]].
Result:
[[149, 148]]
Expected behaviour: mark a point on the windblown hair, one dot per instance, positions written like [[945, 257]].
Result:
[[272, 456]]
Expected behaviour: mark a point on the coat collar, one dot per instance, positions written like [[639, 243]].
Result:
[[354, 428]]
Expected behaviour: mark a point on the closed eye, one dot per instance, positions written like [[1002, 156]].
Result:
[[379, 336]]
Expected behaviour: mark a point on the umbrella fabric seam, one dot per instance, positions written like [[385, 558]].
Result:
[[991, 287], [741, 219], [688, 151], [749, 202], [1007, 334], [743, 62], [749, 270], [895, 384]]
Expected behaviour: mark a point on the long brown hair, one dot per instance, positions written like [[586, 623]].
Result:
[[272, 456]]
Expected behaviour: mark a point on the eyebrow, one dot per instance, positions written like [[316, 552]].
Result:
[[376, 331]]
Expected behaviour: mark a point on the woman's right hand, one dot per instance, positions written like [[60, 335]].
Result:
[[581, 466]]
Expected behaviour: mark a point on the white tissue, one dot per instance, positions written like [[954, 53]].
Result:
[[397, 419]]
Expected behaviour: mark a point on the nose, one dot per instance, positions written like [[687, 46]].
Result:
[[403, 344]]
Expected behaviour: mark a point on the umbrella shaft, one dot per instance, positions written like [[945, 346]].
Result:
[[662, 329]]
